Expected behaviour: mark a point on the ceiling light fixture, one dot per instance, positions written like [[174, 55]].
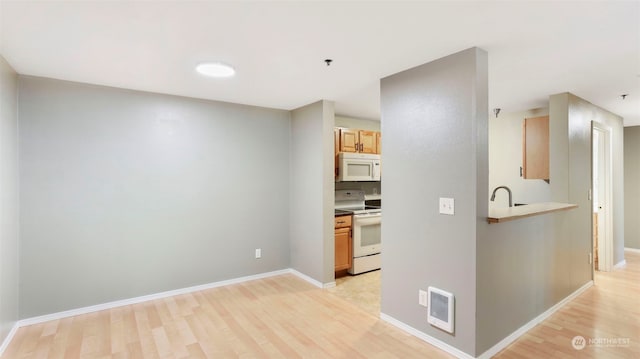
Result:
[[215, 69], [496, 111], [624, 95]]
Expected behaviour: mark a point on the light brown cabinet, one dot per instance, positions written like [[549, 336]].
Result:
[[535, 148], [353, 140], [343, 249], [349, 140], [368, 142]]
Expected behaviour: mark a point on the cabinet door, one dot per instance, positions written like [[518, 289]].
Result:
[[343, 249], [368, 142], [378, 146], [349, 140], [535, 143]]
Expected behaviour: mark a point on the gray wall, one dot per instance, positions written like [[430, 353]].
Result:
[[527, 266], [505, 160], [581, 114], [127, 193], [632, 187], [311, 217], [328, 191], [523, 268], [433, 116], [9, 229], [350, 122]]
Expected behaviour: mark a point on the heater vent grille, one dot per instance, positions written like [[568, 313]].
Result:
[[441, 305]]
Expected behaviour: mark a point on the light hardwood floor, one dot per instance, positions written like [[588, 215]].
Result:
[[285, 317], [610, 310], [278, 317]]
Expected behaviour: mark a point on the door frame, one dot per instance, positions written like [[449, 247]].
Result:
[[605, 245]]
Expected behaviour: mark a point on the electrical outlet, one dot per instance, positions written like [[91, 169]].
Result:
[[258, 253], [422, 298], [447, 206]]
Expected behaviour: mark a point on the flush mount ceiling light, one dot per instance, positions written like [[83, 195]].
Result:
[[215, 69]]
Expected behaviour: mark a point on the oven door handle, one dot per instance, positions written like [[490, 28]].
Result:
[[367, 215], [366, 219]]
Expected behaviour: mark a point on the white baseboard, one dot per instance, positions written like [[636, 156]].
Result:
[[9, 338], [535, 321], [500, 345], [620, 265], [329, 285], [427, 338], [144, 298], [632, 250], [311, 280]]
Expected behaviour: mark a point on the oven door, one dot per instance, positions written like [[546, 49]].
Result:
[[366, 234]]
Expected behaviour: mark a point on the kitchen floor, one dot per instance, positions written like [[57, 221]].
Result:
[[362, 290]]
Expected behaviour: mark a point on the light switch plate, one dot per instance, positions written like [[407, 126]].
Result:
[[447, 206]]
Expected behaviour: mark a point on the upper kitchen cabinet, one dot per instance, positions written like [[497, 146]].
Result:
[[535, 143], [368, 142], [349, 140], [378, 139], [353, 140]]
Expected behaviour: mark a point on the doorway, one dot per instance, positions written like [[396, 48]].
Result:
[[602, 194]]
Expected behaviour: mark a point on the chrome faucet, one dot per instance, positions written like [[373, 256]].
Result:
[[493, 195]]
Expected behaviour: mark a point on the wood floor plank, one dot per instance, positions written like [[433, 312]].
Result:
[[285, 317], [608, 310]]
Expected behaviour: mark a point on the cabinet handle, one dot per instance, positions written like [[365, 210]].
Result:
[[361, 147], [340, 222]]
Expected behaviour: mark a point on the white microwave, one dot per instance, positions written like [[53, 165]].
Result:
[[358, 167]]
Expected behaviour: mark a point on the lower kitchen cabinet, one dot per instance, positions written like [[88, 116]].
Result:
[[343, 248]]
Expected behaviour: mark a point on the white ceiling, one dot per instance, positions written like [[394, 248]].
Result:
[[536, 49]]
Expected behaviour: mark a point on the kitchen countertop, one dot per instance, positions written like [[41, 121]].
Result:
[[499, 215], [340, 212]]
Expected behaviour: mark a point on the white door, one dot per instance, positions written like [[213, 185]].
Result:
[[601, 167]]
